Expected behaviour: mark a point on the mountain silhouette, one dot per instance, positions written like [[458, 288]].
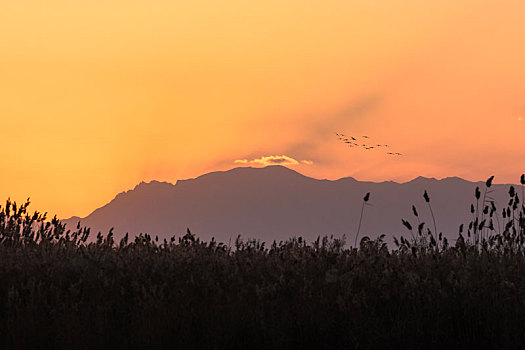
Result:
[[276, 203]]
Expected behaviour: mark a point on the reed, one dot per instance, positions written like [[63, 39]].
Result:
[[365, 200], [61, 290]]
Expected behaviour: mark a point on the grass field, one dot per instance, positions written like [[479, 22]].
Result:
[[59, 289]]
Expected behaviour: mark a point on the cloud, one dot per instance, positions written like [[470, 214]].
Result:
[[274, 160], [322, 129]]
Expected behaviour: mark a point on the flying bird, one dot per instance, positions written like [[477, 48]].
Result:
[[352, 142]]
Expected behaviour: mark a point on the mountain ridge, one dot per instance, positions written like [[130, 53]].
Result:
[[276, 203]]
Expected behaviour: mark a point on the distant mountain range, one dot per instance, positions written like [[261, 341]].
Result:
[[276, 203]]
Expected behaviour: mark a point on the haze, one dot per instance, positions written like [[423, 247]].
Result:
[[96, 96]]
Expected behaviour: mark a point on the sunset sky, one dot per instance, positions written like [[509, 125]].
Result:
[[96, 96]]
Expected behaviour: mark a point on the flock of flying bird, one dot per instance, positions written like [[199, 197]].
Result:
[[353, 142]]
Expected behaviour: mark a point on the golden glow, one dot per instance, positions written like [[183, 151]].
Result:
[[96, 96], [273, 160]]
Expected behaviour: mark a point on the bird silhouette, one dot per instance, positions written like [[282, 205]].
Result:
[[351, 141]]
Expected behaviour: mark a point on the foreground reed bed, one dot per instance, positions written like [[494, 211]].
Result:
[[59, 289]]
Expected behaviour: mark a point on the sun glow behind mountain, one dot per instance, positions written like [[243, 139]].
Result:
[[273, 160], [96, 96]]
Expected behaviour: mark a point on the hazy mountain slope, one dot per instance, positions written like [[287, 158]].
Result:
[[277, 203]]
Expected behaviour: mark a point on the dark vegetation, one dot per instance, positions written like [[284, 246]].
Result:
[[59, 289]]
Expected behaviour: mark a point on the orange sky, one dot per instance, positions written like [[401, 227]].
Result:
[[96, 96]]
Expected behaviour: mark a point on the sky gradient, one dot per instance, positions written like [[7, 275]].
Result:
[[96, 96]]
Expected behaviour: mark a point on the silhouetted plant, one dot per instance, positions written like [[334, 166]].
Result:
[[59, 289], [365, 200]]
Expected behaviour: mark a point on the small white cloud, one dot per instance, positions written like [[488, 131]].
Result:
[[273, 160]]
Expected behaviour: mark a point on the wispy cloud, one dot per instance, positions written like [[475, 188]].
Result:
[[274, 160], [320, 132]]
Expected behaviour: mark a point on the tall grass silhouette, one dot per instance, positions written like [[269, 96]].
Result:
[[60, 289], [366, 198]]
